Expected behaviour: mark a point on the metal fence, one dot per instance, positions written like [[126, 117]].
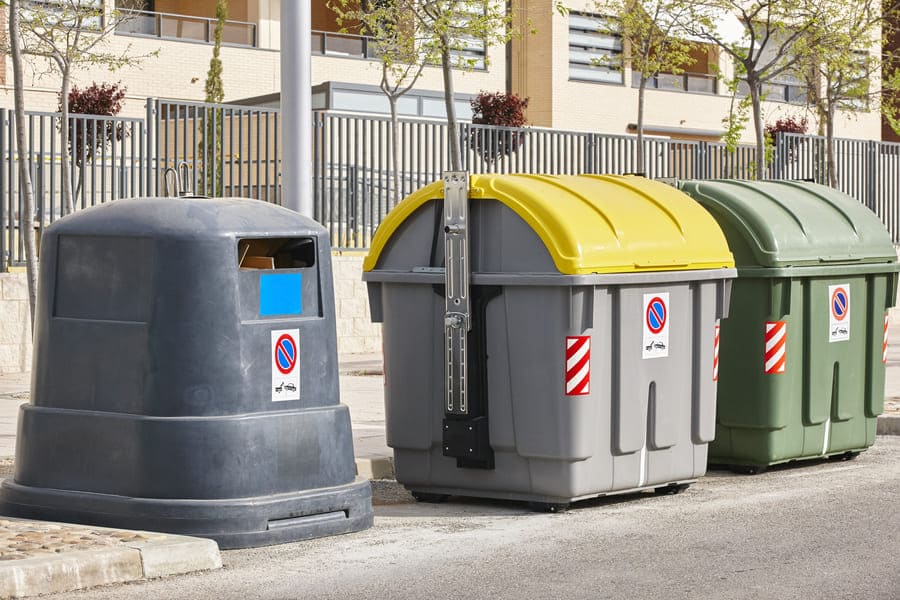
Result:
[[108, 161], [230, 150], [867, 170], [234, 150]]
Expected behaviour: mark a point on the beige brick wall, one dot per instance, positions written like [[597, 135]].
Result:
[[356, 333], [179, 72], [15, 331], [541, 70]]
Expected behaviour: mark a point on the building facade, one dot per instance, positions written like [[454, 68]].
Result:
[[553, 65]]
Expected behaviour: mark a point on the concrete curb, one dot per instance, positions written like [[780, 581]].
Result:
[[889, 425], [130, 561], [380, 467]]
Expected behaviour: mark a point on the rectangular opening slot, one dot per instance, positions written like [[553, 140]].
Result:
[[309, 520], [276, 253]]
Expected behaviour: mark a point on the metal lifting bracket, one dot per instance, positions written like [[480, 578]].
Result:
[[457, 316], [466, 434]]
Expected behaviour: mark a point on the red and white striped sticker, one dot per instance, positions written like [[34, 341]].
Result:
[[716, 355], [776, 347], [885, 344], [578, 365]]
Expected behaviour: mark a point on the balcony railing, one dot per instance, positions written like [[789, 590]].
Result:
[[792, 93], [348, 45], [169, 26], [695, 83], [329, 43]]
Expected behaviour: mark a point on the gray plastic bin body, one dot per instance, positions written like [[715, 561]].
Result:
[[642, 423], [153, 392]]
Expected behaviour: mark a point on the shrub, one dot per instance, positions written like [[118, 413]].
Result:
[[786, 125], [86, 138], [502, 110]]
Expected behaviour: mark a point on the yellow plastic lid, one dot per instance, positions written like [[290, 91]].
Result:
[[592, 223]]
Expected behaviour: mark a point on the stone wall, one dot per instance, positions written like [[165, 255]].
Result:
[[15, 332], [356, 333]]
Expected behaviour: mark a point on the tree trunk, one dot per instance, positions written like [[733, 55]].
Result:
[[65, 162], [758, 129], [395, 151], [642, 87], [452, 126], [829, 146], [26, 220]]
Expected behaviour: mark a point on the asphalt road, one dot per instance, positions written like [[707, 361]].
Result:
[[821, 531]]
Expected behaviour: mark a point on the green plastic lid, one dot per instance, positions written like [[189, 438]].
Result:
[[778, 224]]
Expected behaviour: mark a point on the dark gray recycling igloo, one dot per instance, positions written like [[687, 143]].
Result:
[[185, 377]]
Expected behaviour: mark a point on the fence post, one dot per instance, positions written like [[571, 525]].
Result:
[[352, 206], [150, 155], [702, 168], [4, 184], [871, 174], [589, 153], [778, 161]]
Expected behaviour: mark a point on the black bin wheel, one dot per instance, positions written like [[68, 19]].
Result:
[[430, 498], [845, 456], [549, 507], [671, 489], [749, 469]]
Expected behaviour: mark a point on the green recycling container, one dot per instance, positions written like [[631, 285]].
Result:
[[801, 359]]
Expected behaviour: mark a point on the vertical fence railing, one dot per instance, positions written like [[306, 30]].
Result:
[[866, 170], [107, 161], [230, 150], [234, 150]]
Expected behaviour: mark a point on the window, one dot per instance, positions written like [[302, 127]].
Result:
[[595, 49], [468, 51], [87, 14], [855, 89], [788, 86]]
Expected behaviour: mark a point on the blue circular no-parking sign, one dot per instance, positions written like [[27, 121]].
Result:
[[657, 313], [285, 354]]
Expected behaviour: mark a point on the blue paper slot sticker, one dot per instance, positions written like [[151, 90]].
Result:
[[281, 294]]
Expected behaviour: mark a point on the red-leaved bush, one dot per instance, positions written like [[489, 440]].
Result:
[[787, 125], [791, 145], [88, 136], [498, 109]]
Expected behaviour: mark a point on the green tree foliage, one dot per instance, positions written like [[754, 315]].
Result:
[[69, 35], [438, 32], [394, 41], [772, 40], [838, 74], [650, 30], [210, 148]]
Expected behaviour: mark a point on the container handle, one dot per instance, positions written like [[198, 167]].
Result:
[[658, 263], [841, 258]]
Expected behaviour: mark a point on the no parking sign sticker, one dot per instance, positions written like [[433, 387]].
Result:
[[656, 326], [285, 368], [839, 312]]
